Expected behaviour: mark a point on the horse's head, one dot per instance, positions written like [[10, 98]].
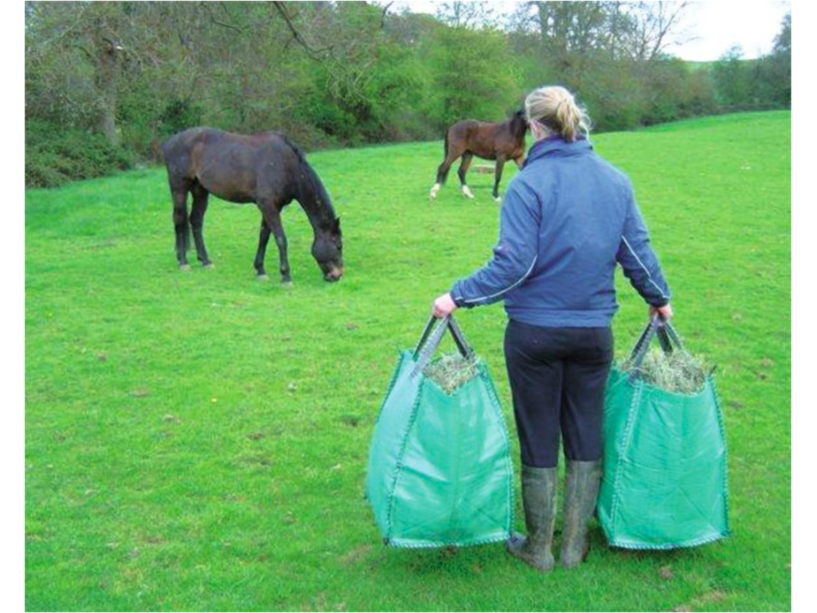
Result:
[[327, 249]]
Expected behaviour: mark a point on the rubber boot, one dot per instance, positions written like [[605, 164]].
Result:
[[539, 501], [581, 493]]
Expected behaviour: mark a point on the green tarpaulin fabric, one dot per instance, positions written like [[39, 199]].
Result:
[[664, 483], [439, 471]]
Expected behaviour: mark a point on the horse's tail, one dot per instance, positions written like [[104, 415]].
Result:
[[442, 171]]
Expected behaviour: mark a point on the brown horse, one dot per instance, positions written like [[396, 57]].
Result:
[[491, 141], [266, 169]]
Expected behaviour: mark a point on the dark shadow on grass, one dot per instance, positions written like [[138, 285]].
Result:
[[454, 562]]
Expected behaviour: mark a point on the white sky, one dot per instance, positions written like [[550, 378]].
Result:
[[715, 25], [719, 25]]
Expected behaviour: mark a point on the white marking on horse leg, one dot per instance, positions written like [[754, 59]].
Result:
[[467, 192], [498, 199], [434, 191], [185, 267]]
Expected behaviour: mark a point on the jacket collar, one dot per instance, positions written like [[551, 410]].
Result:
[[556, 145]]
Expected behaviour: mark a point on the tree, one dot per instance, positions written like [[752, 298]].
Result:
[[99, 37], [654, 27], [473, 76], [571, 27], [91, 53], [778, 73], [467, 14], [732, 78], [362, 72]]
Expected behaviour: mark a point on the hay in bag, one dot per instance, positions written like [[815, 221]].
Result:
[[664, 484], [439, 471]]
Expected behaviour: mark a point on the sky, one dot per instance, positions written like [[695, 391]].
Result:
[[717, 28], [714, 26]]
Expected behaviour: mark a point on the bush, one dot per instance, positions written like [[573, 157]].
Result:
[[55, 155], [474, 77]]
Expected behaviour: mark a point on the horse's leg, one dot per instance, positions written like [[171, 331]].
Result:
[[442, 175], [199, 208], [263, 239], [272, 220], [500, 164], [464, 165], [520, 161], [451, 155], [178, 192]]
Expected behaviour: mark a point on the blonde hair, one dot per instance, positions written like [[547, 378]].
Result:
[[555, 108]]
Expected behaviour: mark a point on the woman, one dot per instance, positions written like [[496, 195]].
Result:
[[568, 218]]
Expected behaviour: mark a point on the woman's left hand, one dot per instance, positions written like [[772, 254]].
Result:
[[443, 306]]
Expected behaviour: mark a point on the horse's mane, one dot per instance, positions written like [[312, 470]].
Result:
[[316, 184], [518, 123], [293, 146]]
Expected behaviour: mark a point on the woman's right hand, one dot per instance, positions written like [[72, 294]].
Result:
[[443, 306], [664, 312]]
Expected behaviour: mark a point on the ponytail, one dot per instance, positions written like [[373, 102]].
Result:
[[556, 109]]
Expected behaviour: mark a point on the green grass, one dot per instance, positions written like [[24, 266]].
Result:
[[199, 441]]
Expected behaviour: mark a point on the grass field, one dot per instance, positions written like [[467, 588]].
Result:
[[198, 441]]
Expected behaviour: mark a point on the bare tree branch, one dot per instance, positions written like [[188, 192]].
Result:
[[657, 22], [69, 30], [383, 14], [218, 22], [315, 54]]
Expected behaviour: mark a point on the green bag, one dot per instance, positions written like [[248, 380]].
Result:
[[664, 483], [440, 471]]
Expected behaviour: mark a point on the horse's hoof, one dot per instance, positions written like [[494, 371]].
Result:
[[184, 267], [467, 193], [263, 278], [498, 199], [209, 266], [434, 190], [287, 284]]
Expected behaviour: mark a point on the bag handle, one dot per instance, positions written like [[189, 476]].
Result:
[[672, 335], [668, 339], [430, 341]]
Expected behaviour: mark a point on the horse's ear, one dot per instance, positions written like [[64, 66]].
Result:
[[336, 224]]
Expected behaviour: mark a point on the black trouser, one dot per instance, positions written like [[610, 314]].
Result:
[[558, 376]]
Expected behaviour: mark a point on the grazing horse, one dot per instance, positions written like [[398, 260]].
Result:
[[491, 141], [266, 169]]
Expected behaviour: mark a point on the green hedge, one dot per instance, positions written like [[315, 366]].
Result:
[[55, 155]]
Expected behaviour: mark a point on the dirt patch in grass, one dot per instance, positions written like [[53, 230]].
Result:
[[357, 555]]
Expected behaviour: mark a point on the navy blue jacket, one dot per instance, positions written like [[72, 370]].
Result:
[[567, 219]]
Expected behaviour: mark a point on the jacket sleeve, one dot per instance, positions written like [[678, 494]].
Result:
[[638, 260], [514, 256]]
